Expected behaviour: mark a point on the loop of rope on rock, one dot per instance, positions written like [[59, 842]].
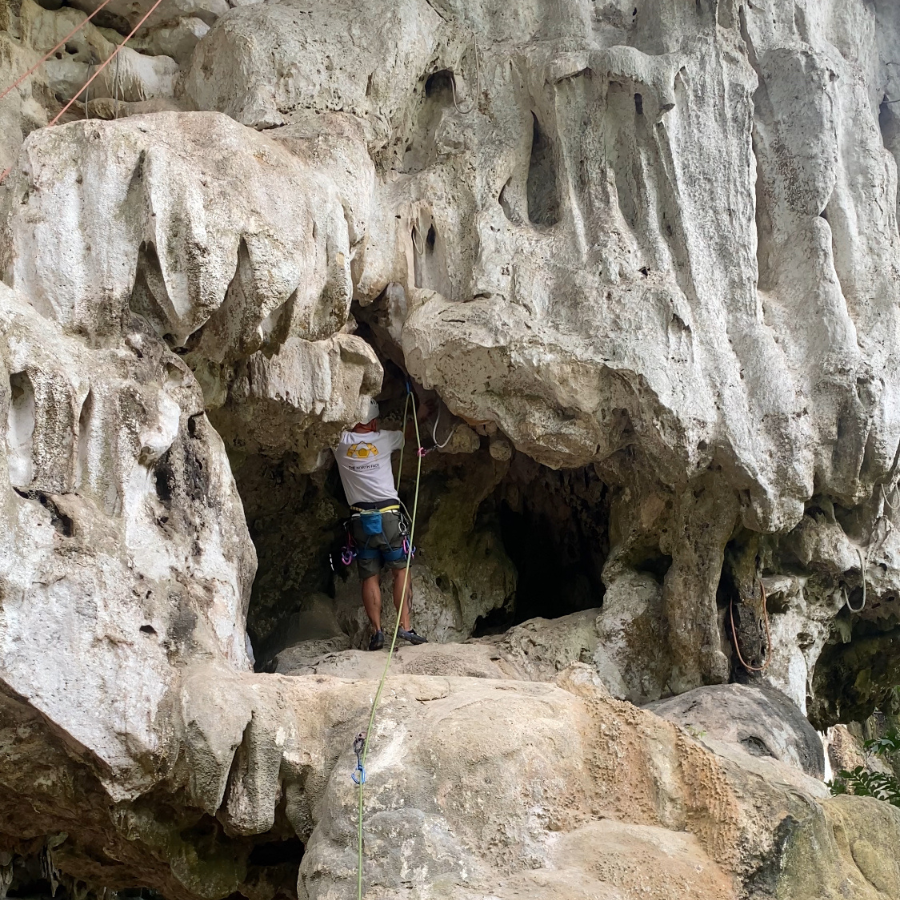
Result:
[[863, 564], [892, 506], [438, 446], [737, 643], [415, 231], [473, 100]]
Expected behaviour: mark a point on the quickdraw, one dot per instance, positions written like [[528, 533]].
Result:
[[358, 775]]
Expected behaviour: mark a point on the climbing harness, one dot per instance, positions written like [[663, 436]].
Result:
[[359, 774], [737, 643]]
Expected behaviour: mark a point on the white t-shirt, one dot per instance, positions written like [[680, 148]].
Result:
[[364, 461]]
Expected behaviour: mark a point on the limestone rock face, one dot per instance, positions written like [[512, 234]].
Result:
[[640, 260], [125, 553]]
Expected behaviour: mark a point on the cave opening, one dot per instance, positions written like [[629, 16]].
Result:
[[554, 527], [500, 538], [542, 189]]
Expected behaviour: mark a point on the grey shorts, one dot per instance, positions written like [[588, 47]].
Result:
[[384, 549]]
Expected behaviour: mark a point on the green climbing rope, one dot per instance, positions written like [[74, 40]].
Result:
[[387, 665]]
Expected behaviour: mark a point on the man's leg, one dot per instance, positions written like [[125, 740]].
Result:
[[401, 591], [371, 598]]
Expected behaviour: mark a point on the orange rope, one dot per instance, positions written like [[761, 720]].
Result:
[[47, 56], [88, 83], [105, 63], [737, 645]]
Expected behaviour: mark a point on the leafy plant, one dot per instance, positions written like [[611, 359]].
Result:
[[863, 783], [888, 743]]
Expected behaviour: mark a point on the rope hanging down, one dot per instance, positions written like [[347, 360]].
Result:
[[108, 60], [50, 53], [737, 643], [863, 565], [359, 775], [100, 68]]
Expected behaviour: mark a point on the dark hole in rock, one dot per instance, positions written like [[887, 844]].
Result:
[[421, 149], [58, 519], [430, 239], [439, 83], [163, 479], [495, 622], [657, 566], [755, 746], [889, 122], [277, 853], [147, 629], [555, 533], [639, 104], [542, 187]]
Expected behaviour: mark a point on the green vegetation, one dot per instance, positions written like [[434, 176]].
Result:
[[863, 783]]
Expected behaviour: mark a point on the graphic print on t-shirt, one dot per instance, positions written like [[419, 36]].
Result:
[[362, 451], [364, 462]]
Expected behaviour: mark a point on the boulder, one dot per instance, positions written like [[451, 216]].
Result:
[[760, 720]]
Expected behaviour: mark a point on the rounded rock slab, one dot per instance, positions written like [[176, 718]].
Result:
[[760, 720]]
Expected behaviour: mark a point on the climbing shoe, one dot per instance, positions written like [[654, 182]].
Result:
[[412, 637], [377, 641]]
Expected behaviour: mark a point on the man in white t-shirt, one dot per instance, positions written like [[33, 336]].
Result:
[[378, 527]]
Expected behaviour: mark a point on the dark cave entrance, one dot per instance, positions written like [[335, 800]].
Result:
[[554, 527], [551, 527]]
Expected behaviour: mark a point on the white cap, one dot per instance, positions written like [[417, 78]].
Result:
[[371, 413]]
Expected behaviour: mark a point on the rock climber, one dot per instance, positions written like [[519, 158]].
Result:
[[377, 525]]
